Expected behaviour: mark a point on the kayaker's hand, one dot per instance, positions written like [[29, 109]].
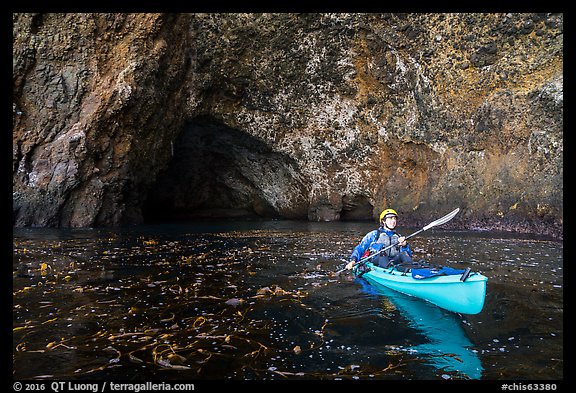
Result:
[[402, 241], [350, 264]]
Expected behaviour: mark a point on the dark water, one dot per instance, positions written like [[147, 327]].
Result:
[[260, 301]]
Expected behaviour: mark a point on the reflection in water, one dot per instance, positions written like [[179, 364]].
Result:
[[448, 348]]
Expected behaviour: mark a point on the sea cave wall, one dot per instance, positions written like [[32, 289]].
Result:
[[123, 118]]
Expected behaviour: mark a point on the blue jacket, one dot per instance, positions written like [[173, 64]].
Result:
[[368, 242]]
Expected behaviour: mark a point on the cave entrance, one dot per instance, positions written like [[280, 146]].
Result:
[[356, 208], [218, 171]]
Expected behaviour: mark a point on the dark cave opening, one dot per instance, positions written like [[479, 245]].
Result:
[[356, 208], [217, 171]]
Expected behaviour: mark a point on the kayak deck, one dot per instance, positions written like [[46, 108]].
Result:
[[448, 292]]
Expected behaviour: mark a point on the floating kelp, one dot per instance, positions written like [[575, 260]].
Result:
[[255, 304]]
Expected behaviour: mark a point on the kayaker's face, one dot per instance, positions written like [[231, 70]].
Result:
[[390, 222]]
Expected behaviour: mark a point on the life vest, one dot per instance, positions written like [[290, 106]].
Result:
[[384, 241]]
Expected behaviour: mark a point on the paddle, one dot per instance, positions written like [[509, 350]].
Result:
[[439, 221]]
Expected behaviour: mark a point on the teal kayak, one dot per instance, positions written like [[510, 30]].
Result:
[[446, 291]]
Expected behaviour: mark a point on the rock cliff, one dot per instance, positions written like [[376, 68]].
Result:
[[125, 118]]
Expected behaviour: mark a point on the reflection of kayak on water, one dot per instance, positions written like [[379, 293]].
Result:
[[448, 348]]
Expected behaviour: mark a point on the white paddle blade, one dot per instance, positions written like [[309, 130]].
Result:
[[442, 220]]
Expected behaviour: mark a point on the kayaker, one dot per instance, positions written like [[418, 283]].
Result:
[[382, 237]]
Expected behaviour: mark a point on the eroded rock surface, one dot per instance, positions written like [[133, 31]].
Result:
[[120, 118]]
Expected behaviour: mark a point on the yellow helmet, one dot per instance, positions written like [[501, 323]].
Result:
[[388, 212]]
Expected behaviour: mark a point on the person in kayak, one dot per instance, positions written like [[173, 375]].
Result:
[[382, 237]]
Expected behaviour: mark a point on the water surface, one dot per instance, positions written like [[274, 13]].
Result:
[[260, 300]]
